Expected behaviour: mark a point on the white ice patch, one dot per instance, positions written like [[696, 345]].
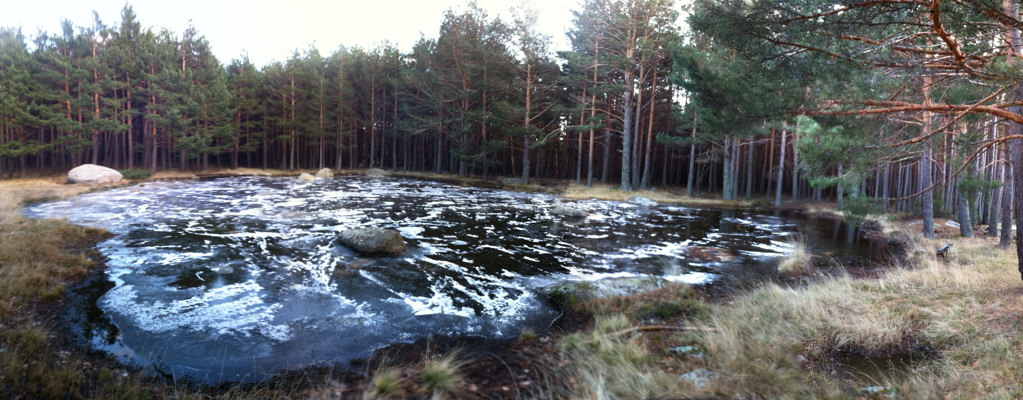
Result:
[[412, 232], [692, 278], [232, 310], [775, 247]]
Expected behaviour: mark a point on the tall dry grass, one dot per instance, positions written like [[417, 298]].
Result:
[[958, 318]]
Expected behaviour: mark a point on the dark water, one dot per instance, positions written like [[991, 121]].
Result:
[[235, 278]]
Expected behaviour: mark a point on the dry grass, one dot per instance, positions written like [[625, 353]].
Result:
[[798, 262], [441, 376], [385, 384], [960, 318], [607, 364], [16, 192], [609, 192], [37, 259]]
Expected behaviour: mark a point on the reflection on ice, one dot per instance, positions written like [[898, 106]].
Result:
[[235, 277]]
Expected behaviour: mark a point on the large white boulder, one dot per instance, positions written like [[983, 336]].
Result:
[[325, 173], [93, 174]]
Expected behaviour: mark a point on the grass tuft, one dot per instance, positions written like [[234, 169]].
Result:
[[385, 384], [441, 375], [799, 262]]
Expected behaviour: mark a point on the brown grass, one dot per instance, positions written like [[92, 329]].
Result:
[[959, 316], [609, 192], [37, 260]]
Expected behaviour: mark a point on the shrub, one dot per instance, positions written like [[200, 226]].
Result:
[[135, 173]]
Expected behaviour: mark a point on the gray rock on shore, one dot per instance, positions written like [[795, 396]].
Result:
[[373, 240], [93, 174]]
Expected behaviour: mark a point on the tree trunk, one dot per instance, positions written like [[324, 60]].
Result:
[[1016, 160], [751, 152], [795, 170], [626, 183], [781, 165], [965, 223], [994, 215], [692, 158], [925, 185], [839, 189], [526, 123], [1005, 236], [645, 180]]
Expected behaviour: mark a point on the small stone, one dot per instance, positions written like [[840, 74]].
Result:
[[376, 173], [687, 351], [306, 177]]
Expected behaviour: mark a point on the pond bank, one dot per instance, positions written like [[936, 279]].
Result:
[[956, 321]]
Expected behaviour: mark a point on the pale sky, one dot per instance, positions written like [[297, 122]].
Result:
[[270, 30]]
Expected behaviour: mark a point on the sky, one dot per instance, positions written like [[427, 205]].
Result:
[[268, 30]]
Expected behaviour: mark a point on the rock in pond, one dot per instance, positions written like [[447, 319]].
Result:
[[710, 254], [567, 294], [376, 172], [93, 174], [642, 201], [568, 212], [306, 177], [325, 173], [373, 240]]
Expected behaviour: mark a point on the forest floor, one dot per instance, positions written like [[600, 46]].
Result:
[[925, 327]]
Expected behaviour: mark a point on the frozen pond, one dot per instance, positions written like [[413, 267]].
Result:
[[235, 278]]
